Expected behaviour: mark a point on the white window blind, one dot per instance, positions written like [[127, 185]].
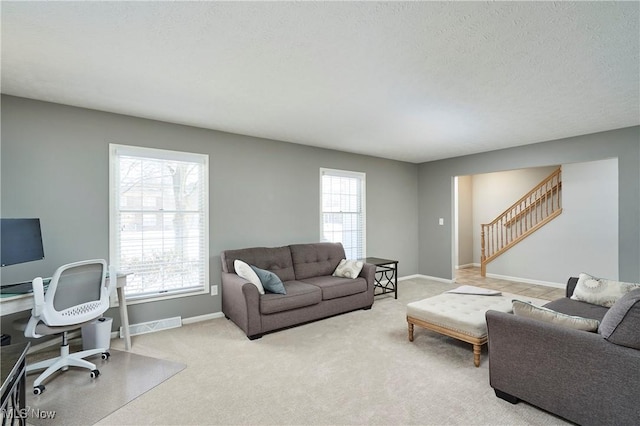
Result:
[[342, 210], [159, 220]]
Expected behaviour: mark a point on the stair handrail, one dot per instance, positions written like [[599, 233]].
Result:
[[556, 184], [542, 183]]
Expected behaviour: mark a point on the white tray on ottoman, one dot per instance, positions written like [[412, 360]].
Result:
[[461, 315]]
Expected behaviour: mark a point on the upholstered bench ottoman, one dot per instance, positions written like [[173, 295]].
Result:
[[461, 316]]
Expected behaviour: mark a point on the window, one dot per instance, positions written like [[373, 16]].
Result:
[[159, 217], [342, 210]]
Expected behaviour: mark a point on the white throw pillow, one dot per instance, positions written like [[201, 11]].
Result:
[[348, 268], [600, 291], [245, 271]]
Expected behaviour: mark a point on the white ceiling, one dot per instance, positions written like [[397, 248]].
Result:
[[413, 81]]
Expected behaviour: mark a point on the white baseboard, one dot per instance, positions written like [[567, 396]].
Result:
[[527, 281], [426, 277], [468, 265], [199, 318], [72, 335], [409, 277], [441, 280], [518, 279], [183, 321]]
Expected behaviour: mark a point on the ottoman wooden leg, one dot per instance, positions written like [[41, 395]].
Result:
[[410, 331], [476, 354]]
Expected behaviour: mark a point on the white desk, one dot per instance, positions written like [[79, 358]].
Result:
[[24, 302]]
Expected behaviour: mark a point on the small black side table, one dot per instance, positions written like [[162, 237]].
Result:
[[386, 278]]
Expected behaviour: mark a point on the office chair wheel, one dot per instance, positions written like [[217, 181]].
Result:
[[95, 373], [106, 355], [38, 389]]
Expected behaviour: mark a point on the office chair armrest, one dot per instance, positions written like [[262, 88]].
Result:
[[38, 296]]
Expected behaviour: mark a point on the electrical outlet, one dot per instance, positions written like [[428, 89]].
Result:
[[214, 290], [441, 221]]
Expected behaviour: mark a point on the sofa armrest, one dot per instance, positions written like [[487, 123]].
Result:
[[571, 286], [241, 303], [575, 374], [368, 272]]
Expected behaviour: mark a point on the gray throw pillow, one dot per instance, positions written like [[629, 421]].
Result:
[[270, 281], [541, 313], [621, 323]]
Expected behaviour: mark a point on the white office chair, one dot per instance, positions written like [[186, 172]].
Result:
[[76, 295]]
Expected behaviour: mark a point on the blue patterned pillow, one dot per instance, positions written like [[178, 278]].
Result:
[[269, 280]]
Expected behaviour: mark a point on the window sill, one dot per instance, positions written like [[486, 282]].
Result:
[[135, 300]]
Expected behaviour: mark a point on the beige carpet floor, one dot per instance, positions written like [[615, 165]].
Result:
[[74, 398], [356, 368]]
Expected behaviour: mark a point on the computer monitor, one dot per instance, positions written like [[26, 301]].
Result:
[[21, 241]]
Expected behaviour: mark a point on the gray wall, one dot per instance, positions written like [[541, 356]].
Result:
[[55, 163], [435, 188]]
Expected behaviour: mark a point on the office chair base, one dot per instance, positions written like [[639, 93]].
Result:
[[63, 362]]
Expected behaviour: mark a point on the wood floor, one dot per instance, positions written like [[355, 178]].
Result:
[[471, 276]]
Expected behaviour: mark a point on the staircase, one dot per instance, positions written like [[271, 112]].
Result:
[[538, 207]]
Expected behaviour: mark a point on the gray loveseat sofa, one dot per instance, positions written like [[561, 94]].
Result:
[[311, 291], [578, 375]]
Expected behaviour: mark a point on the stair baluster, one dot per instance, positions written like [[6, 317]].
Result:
[[535, 209]]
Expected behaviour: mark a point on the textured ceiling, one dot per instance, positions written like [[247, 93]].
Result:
[[413, 81]]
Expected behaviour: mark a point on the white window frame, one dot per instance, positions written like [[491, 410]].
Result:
[[115, 152], [361, 177]]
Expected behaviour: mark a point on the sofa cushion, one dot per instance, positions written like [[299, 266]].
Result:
[[524, 309], [621, 325], [245, 271], [600, 291], [269, 280], [315, 260], [576, 308], [348, 268], [334, 287], [298, 295], [275, 259]]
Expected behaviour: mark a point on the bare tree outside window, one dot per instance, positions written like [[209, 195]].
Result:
[[161, 213]]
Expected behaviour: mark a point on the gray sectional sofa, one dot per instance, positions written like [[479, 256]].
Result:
[[311, 291], [579, 375]]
